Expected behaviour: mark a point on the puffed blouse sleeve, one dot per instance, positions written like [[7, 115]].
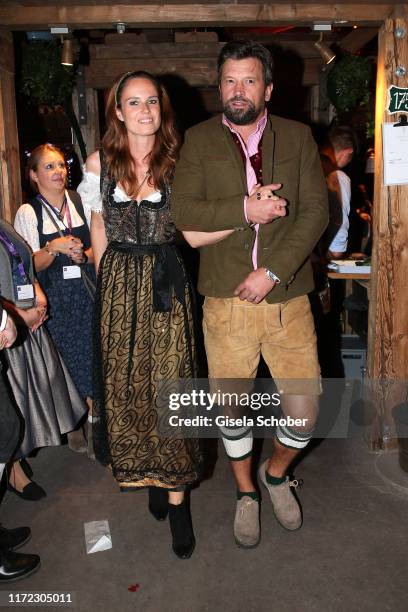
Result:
[[25, 224], [89, 190]]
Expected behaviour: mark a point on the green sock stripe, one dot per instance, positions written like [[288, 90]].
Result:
[[251, 494], [272, 480]]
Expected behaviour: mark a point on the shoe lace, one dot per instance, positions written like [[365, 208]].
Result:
[[295, 483], [245, 505]]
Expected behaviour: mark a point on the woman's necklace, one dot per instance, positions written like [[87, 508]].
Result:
[[63, 206], [146, 176]]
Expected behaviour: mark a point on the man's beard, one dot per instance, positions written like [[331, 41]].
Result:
[[241, 116]]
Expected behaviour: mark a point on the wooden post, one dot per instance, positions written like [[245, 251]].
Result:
[[90, 130], [10, 179], [388, 315]]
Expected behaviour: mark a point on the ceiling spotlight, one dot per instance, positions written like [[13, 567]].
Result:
[[121, 27], [67, 55], [327, 54]]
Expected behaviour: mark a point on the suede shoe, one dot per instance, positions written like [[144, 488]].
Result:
[[14, 538], [285, 505], [247, 531], [15, 566]]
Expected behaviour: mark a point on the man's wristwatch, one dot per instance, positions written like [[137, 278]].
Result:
[[271, 276]]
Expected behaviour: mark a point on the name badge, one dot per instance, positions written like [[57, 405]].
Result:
[[25, 292], [71, 272]]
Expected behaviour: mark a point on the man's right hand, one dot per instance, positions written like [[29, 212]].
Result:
[[9, 334], [262, 206]]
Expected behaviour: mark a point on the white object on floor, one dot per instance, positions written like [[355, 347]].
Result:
[[97, 536]]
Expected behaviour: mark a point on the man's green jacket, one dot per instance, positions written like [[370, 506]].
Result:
[[208, 194]]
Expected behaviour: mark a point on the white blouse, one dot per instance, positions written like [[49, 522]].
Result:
[[25, 222], [89, 190]]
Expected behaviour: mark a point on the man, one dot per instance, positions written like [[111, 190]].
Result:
[[338, 152], [13, 566], [254, 268]]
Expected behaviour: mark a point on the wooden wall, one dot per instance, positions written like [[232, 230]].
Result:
[[10, 183], [388, 320]]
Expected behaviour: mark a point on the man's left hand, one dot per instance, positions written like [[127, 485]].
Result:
[[255, 287]]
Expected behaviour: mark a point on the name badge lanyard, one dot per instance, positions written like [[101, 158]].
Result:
[[16, 256], [48, 207]]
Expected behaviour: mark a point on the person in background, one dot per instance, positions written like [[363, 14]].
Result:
[[13, 566], [40, 382], [327, 299], [143, 306], [336, 154], [56, 227]]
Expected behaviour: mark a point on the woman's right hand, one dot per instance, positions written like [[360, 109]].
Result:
[[67, 245], [33, 317]]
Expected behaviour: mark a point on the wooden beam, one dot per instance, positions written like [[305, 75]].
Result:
[[388, 320], [6, 54], [165, 15], [10, 180], [196, 72], [357, 38], [302, 48], [155, 50]]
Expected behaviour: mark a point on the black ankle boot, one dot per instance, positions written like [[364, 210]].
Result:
[[158, 502], [181, 530], [31, 492]]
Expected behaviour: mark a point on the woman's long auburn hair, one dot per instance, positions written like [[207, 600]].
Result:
[[115, 142]]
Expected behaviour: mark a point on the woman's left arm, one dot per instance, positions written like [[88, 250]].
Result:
[[200, 239], [31, 317], [40, 297], [89, 255]]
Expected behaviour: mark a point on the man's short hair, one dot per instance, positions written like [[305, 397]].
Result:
[[341, 138], [242, 49]]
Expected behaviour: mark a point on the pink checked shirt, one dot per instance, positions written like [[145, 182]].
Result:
[[249, 150]]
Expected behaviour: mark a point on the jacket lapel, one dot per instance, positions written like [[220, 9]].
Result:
[[235, 155]]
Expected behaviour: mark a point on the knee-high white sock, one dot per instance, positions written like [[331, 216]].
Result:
[[237, 442]]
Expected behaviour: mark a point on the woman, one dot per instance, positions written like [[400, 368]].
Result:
[[55, 226], [143, 303], [40, 383]]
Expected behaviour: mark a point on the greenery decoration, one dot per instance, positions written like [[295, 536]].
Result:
[[46, 82], [43, 78], [348, 83]]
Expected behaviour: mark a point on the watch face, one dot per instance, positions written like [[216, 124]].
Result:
[[272, 277]]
